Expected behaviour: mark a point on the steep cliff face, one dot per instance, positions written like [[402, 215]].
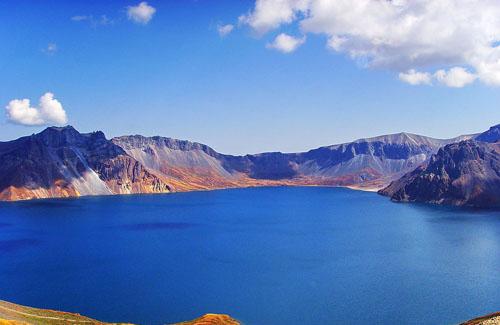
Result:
[[464, 173], [188, 165], [373, 161], [61, 162]]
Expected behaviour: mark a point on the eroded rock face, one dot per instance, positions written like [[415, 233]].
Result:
[[372, 161], [61, 162], [465, 173]]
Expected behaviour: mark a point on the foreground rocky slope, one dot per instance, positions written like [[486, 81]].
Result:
[[61, 162], [465, 173], [492, 319], [13, 314]]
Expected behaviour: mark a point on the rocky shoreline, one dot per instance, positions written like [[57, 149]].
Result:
[[14, 314], [491, 319]]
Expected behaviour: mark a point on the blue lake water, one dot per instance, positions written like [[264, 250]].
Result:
[[263, 255]]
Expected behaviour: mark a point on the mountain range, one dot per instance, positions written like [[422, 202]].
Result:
[[62, 162]]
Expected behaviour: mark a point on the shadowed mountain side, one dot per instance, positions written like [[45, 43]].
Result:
[[61, 162], [13, 314], [491, 136], [464, 173]]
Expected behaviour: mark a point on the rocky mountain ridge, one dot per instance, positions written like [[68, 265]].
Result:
[[372, 162], [61, 162]]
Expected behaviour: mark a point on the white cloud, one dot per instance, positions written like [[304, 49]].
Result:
[[50, 49], [49, 111], [225, 30], [456, 77], [102, 20], [415, 78], [141, 14], [20, 112], [397, 34], [286, 43], [269, 14], [80, 18]]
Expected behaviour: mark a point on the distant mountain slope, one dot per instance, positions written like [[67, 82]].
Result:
[[61, 162], [464, 173], [384, 157], [375, 161]]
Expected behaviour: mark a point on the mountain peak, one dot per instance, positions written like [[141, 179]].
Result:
[[402, 138], [59, 128], [58, 136]]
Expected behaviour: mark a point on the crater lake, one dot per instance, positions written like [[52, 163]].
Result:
[[271, 255]]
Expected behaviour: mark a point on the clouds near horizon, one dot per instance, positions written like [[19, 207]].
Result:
[[49, 111], [451, 42]]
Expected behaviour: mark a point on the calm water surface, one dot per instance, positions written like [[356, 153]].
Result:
[[263, 255]]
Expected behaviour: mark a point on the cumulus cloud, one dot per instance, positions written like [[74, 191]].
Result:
[[270, 14], [286, 43], [398, 34], [456, 77], [141, 14], [49, 111], [225, 30], [414, 77]]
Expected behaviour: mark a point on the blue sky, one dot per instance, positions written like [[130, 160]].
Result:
[[176, 76]]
